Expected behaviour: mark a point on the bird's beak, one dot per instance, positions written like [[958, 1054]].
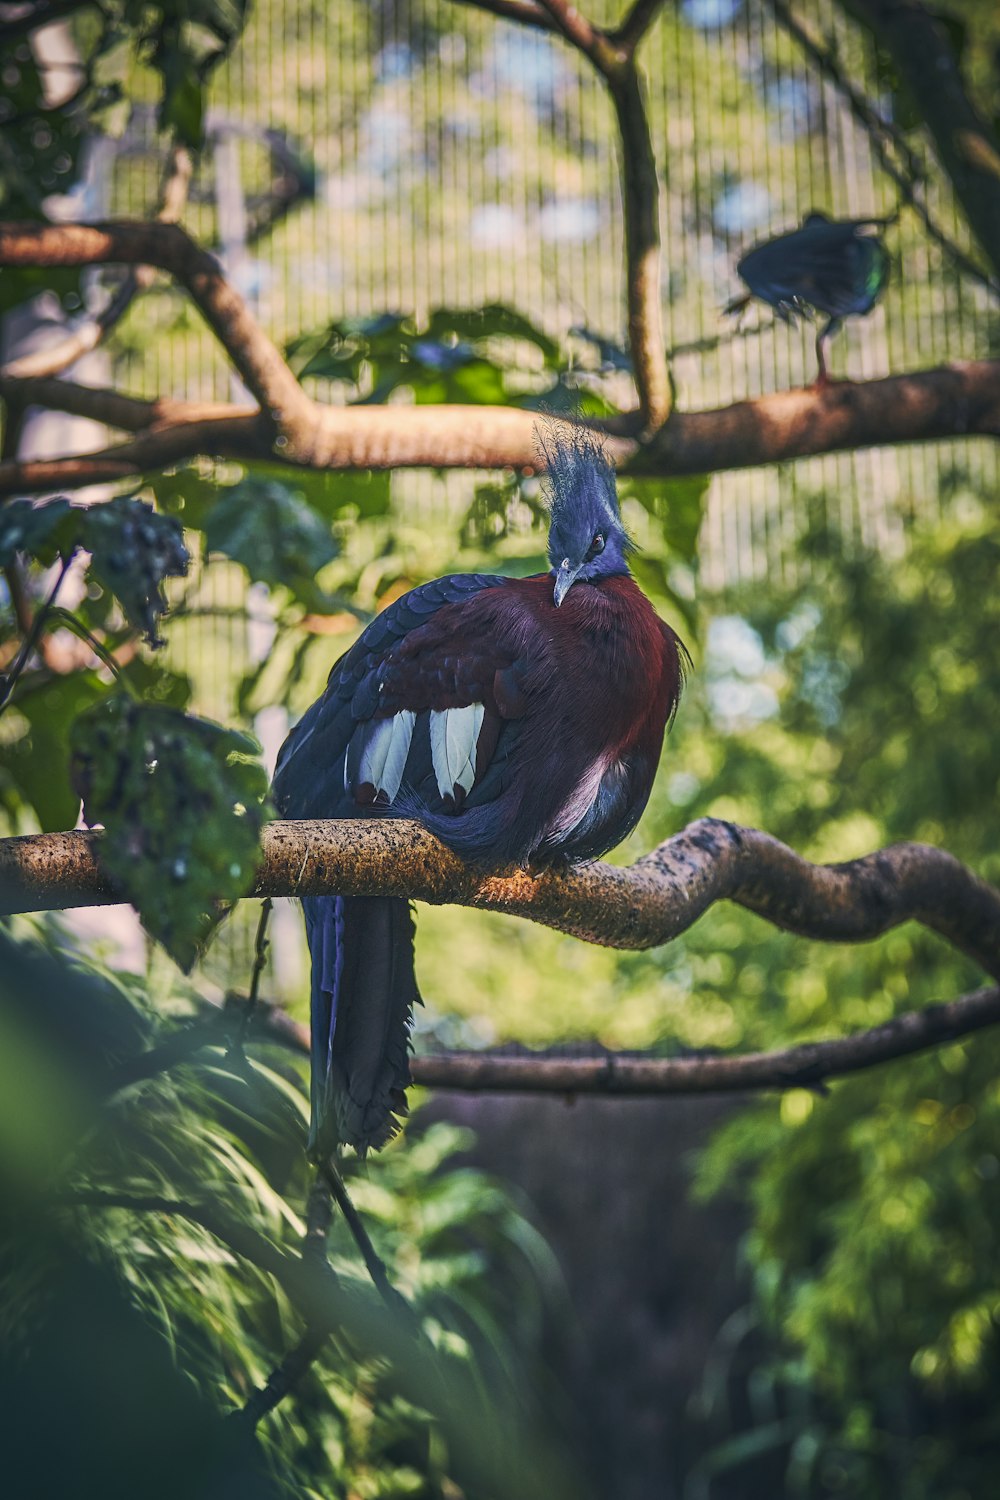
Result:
[[565, 578]]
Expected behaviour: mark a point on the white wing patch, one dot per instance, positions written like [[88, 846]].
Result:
[[384, 756], [454, 739]]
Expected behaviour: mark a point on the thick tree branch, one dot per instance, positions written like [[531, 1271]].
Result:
[[965, 144], [639, 906], [954, 401], [959, 400]]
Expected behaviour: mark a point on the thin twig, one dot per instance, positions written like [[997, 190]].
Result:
[[261, 946], [885, 138], [374, 1263], [966, 146], [284, 1378], [73, 623], [9, 679]]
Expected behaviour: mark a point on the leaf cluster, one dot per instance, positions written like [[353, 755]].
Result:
[[162, 1201], [183, 803]]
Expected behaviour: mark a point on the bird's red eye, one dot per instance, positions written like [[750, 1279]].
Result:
[[596, 546]]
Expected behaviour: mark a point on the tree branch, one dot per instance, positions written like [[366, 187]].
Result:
[[641, 200], [639, 906], [965, 144], [614, 58], [953, 401], [526, 12], [804, 1066], [959, 400], [636, 23], [88, 335], [170, 248]]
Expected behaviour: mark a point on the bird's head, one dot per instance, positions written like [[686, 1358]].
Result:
[[587, 540]]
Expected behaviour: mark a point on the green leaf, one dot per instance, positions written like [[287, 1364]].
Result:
[[182, 107], [187, 493], [132, 550], [275, 534], [495, 320], [41, 532], [182, 804], [677, 504], [38, 762]]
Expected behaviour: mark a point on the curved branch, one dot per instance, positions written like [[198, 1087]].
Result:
[[639, 906], [170, 248], [89, 334]]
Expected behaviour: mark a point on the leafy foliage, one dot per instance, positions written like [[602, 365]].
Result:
[[167, 1305], [41, 532], [182, 802], [275, 533], [133, 549], [461, 356]]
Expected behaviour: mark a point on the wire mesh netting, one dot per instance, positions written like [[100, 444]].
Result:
[[462, 159]]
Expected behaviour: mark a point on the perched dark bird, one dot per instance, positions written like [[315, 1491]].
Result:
[[830, 265], [520, 719]]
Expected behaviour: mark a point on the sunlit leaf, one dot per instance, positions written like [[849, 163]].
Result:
[[38, 761]]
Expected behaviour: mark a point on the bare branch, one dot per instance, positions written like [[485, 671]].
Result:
[[52, 361], [640, 200], [636, 23], [968, 150], [640, 906], [168, 247], [958, 400], [575, 27], [886, 139], [614, 58], [805, 1066], [526, 12]]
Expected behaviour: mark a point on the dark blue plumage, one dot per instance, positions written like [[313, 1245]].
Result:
[[519, 719], [830, 265]]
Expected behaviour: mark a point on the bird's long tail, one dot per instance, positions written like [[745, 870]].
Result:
[[363, 993]]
